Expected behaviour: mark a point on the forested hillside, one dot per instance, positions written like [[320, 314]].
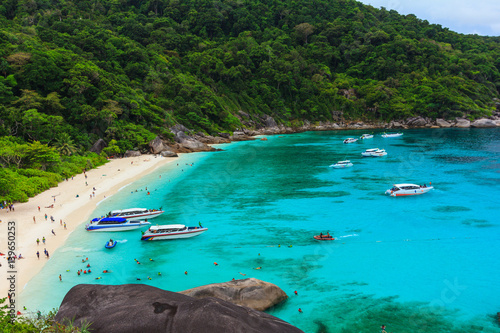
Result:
[[125, 70]]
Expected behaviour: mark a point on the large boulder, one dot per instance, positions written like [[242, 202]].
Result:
[[98, 146], [179, 128], [462, 123], [240, 136], [194, 145], [417, 122], [132, 153], [252, 293], [156, 145], [483, 123], [269, 121], [187, 143], [168, 153], [442, 123], [132, 308]]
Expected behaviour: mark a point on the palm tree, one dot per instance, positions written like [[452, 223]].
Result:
[[65, 145]]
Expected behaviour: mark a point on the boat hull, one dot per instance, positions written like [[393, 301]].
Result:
[[392, 135], [341, 166], [173, 235], [405, 193], [114, 228], [324, 238]]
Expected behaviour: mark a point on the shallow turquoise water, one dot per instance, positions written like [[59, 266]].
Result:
[[415, 264]]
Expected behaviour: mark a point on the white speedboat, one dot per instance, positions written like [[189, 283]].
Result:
[[399, 190], [114, 224], [171, 231], [350, 140], [136, 214], [392, 135], [379, 152], [342, 164], [366, 136], [368, 152]]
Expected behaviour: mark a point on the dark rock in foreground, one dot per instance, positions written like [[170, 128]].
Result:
[[132, 308], [253, 293]]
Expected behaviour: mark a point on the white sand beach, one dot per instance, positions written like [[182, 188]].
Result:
[[30, 221]]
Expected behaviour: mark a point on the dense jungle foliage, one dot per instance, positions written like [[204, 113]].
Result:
[[125, 70]]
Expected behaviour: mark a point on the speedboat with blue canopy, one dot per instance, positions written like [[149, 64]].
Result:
[[114, 224]]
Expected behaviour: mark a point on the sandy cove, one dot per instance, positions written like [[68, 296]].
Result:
[[107, 180]]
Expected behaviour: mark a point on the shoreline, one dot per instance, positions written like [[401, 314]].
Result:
[[30, 221], [107, 176]]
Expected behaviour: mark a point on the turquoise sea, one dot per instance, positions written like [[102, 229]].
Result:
[[415, 264]]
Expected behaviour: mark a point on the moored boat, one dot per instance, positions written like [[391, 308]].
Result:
[[366, 136], [399, 190], [342, 164], [171, 231], [114, 224], [368, 152], [136, 214], [350, 140], [392, 135], [379, 152]]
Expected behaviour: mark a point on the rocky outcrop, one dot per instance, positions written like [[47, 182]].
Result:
[[132, 153], [156, 146], [252, 293], [168, 153], [186, 143], [442, 123], [416, 122], [484, 123], [395, 124], [269, 121], [98, 146], [462, 123], [240, 136], [132, 308]]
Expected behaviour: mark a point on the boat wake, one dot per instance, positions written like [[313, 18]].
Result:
[[353, 235], [122, 241]]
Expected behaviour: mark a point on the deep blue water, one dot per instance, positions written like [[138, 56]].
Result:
[[416, 264]]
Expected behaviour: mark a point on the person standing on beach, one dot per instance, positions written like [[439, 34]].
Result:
[[38, 254], [60, 277], [53, 232], [38, 208], [34, 219], [64, 225], [38, 241], [45, 216], [43, 240], [60, 221]]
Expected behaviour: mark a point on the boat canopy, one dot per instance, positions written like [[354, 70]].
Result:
[[167, 226], [403, 185], [109, 219], [130, 210], [343, 162]]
